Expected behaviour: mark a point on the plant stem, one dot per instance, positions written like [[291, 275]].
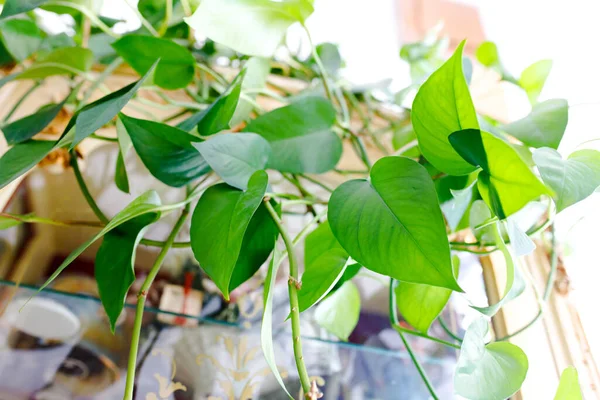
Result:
[[104, 138], [88, 13], [143, 20], [447, 329], [293, 292], [139, 312], [395, 323], [158, 243], [31, 219], [399, 329], [84, 190], [21, 100], [168, 16], [316, 182], [322, 70]]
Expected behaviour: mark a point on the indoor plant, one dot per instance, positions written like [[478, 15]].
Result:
[[389, 220]]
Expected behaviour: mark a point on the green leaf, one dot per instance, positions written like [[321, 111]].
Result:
[[63, 61], [235, 157], [403, 137], [166, 151], [544, 126], [232, 233], [350, 272], [175, 68], [300, 136], [457, 209], [330, 57], [506, 183], [442, 106], [339, 312], [146, 203], [480, 214], [253, 27], [115, 261], [121, 178], [573, 179], [218, 115], [487, 54], [27, 127], [568, 387], [324, 264], [488, 372], [519, 241], [97, 114], [15, 7], [420, 304], [21, 158], [393, 225], [266, 327], [534, 77], [21, 37], [257, 70]]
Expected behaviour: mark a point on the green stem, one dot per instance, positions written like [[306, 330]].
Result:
[[158, 243], [399, 329], [104, 138], [293, 292], [316, 182], [31, 219], [143, 20], [139, 312], [21, 100], [88, 13], [84, 190], [168, 16], [322, 70], [447, 329], [100, 80], [395, 324]]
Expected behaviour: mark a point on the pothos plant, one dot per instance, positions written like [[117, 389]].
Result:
[[446, 168]]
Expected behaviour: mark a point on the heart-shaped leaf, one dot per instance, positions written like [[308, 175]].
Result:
[[218, 115], [534, 77], [573, 179], [232, 232], [253, 27], [544, 126], [166, 151], [488, 372], [235, 157], [22, 37], [420, 304], [324, 264], [175, 68], [506, 183], [339, 312], [121, 178], [63, 61], [21, 158], [115, 261], [442, 106], [568, 387], [300, 136], [15, 7], [393, 225]]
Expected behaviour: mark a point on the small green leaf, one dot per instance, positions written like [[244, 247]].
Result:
[[488, 372], [115, 261], [253, 27], [442, 106], [27, 127], [257, 70], [232, 233], [339, 312], [121, 178], [457, 209], [534, 77], [166, 151], [420, 304], [97, 114], [235, 157], [487, 54], [21, 158], [15, 7], [506, 183], [300, 136], [175, 68], [63, 61], [21, 37], [393, 225], [330, 57], [573, 179], [325, 262], [568, 387], [519, 241], [544, 126]]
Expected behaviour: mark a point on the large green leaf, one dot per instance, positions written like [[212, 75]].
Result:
[[301, 137], [175, 68], [488, 372], [235, 157], [218, 115], [121, 177], [393, 225], [253, 27], [257, 70], [115, 261], [324, 264], [166, 151], [572, 179], [21, 37], [442, 106], [232, 232], [568, 387], [534, 77], [21, 158], [420, 304], [97, 114], [15, 7], [27, 127], [339, 312], [63, 61], [506, 183], [544, 126]]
